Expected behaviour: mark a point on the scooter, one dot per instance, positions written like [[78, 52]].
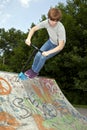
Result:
[[21, 75]]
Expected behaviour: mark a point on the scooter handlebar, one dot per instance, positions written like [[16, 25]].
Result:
[[36, 48]]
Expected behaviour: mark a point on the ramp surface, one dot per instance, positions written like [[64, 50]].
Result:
[[36, 104]]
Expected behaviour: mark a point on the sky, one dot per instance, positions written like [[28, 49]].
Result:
[[20, 14]]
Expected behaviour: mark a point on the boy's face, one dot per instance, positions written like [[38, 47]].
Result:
[[52, 23]]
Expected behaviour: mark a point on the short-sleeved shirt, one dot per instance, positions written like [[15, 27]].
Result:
[[56, 33]]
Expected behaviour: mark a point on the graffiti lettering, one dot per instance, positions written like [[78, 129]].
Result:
[[18, 102], [49, 111]]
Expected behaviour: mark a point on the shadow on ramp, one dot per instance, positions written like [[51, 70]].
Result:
[[36, 104]]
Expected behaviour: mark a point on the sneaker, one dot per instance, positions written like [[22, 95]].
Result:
[[28, 72], [31, 74]]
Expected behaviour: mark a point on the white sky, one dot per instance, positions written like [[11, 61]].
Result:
[[20, 14]]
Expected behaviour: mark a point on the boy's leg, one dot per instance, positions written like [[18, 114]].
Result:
[[39, 59]]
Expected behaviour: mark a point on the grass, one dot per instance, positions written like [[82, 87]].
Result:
[[80, 106]]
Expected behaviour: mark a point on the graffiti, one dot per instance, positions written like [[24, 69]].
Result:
[[39, 121], [5, 87], [36, 104], [8, 122], [18, 102], [32, 98], [43, 94], [49, 111], [50, 84]]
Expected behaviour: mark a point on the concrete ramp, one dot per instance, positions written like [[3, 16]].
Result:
[[36, 104]]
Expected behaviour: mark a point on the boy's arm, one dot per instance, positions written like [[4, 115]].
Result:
[[56, 49], [31, 32]]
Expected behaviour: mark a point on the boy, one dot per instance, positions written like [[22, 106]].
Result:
[[55, 43]]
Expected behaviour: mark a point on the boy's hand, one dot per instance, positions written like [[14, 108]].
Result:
[[28, 42], [45, 53]]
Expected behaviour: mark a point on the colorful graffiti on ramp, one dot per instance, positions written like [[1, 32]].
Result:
[[36, 104]]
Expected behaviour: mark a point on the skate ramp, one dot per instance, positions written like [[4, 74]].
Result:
[[36, 104]]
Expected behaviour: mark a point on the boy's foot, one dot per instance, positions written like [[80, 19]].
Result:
[[27, 73], [31, 74]]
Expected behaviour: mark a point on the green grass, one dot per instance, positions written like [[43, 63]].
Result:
[[80, 106]]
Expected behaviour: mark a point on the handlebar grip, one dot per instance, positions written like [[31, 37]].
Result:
[[36, 48]]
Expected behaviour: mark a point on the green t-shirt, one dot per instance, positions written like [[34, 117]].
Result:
[[56, 33]]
